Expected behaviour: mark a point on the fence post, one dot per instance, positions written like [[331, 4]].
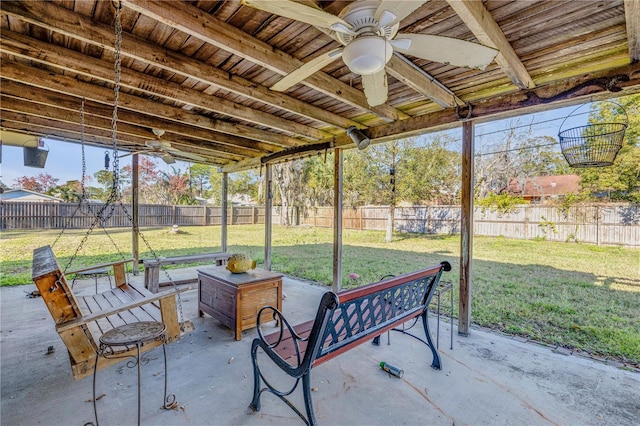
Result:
[[526, 222], [598, 225], [204, 215]]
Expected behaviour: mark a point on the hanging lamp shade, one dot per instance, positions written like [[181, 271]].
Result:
[[592, 145]]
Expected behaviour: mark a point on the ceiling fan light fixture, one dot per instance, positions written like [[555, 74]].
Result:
[[367, 55], [358, 137]]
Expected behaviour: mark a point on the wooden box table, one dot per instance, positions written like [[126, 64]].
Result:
[[235, 299]]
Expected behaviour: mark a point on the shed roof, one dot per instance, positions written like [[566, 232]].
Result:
[[26, 195], [202, 72]]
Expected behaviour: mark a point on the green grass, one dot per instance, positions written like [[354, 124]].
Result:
[[574, 295]]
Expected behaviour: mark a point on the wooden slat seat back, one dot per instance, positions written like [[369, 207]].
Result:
[[81, 320]]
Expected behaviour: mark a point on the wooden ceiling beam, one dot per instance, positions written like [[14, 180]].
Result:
[[72, 103], [553, 95], [63, 84], [64, 21], [94, 122], [418, 81], [632, 14], [198, 23], [479, 20], [70, 60], [100, 138]]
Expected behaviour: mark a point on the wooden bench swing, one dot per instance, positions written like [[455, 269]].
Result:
[[81, 320]]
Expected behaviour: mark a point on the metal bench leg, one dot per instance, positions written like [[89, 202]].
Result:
[[255, 402], [308, 405], [436, 357]]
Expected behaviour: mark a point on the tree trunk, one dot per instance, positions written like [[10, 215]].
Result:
[[390, 220]]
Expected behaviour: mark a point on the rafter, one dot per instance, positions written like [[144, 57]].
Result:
[[418, 81], [196, 22], [71, 104], [92, 122], [70, 60], [43, 79], [488, 32], [61, 20], [632, 13]]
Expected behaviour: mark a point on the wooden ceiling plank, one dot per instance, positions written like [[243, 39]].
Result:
[[198, 23], [61, 20], [36, 77], [71, 103], [103, 123], [484, 27], [67, 59], [632, 14]]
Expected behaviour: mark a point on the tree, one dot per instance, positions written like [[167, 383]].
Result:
[[173, 188], [148, 176], [621, 181], [200, 177], [41, 183], [287, 178]]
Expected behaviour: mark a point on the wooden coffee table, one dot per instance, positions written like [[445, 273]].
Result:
[[235, 299]]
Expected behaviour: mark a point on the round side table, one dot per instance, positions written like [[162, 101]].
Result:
[[125, 336]]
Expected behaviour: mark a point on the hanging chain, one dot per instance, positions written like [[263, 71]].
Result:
[[84, 160], [117, 69]]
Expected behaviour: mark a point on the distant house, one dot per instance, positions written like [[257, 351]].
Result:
[[20, 195], [539, 189]]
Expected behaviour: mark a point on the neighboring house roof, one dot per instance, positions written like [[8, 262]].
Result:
[[26, 195], [545, 186]]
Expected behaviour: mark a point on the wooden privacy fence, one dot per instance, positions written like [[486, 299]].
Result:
[[30, 215], [606, 224]]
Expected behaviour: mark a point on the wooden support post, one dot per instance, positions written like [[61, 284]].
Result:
[[135, 214], [466, 228], [268, 216], [223, 213], [337, 220]]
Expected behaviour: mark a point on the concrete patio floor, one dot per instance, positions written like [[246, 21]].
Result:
[[487, 379]]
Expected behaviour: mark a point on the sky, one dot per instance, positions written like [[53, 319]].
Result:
[[64, 160]]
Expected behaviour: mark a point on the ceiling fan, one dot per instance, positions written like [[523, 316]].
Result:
[[369, 32], [160, 148]]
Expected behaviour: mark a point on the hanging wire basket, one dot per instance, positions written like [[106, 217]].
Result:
[[592, 145]]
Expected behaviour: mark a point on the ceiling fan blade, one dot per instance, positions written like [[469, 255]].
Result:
[[375, 88], [297, 11], [447, 50], [307, 69], [168, 158], [184, 154], [401, 9], [133, 153]]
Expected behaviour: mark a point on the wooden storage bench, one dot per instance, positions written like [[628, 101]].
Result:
[[342, 322]]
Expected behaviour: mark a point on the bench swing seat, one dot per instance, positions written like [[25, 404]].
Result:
[[81, 320]]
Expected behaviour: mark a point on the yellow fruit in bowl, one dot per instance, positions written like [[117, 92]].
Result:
[[240, 263]]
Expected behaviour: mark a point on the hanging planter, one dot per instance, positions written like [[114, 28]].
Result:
[[592, 145], [35, 157]]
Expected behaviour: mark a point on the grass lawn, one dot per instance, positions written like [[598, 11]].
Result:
[[574, 295]]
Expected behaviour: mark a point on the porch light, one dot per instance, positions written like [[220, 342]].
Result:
[[358, 137]]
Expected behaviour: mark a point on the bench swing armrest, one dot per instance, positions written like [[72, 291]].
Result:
[[86, 319], [286, 332]]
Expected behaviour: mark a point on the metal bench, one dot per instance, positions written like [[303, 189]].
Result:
[[342, 322], [152, 267]]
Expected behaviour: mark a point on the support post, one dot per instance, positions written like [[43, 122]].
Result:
[[268, 216], [466, 228], [337, 220], [223, 213], [135, 213]]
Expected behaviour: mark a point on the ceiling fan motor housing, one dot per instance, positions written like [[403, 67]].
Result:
[[367, 49]]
